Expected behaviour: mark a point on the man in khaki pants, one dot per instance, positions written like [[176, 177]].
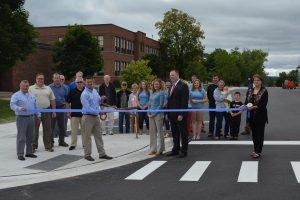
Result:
[[74, 102], [44, 98], [90, 101]]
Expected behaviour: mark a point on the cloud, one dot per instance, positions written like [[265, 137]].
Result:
[[272, 26]]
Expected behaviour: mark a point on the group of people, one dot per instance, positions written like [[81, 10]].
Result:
[[80, 95], [255, 103], [142, 102]]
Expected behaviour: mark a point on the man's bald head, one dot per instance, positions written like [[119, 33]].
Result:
[[107, 79]]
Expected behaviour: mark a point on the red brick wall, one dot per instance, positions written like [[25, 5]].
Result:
[[41, 60]]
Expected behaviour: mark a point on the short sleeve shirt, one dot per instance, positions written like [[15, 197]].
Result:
[[43, 95]]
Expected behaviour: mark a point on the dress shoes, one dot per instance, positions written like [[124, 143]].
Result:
[[181, 155], [172, 153], [152, 153], [31, 155], [50, 150], [245, 133], [89, 158], [21, 158], [63, 144], [71, 148], [106, 157], [158, 153]]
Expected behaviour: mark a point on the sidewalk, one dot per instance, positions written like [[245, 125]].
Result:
[[62, 163]]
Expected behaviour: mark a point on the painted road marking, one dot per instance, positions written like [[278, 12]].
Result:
[[243, 143], [296, 168], [196, 171], [146, 170], [248, 171]]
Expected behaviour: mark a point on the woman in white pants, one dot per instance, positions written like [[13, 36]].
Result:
[[156, 102]]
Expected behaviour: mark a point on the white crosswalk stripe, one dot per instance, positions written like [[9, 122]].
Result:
[[296, 168], [248, 172], [196, 171], [146, 170]]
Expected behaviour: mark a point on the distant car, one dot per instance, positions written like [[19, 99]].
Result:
[[291, 85]]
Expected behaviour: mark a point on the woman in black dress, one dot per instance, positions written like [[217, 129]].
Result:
[[257, 100]]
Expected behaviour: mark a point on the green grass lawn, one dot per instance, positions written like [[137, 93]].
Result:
[[6, 114]]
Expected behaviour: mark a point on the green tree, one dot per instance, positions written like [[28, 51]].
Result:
[[225, 66], [195, 68], [252, 62], [282, 77], [17, 35], [157, 65], [137, 71], [235, 67], [293, 75], [77, 51], [180, 35]]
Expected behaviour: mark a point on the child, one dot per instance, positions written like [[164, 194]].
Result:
[[235, 116]]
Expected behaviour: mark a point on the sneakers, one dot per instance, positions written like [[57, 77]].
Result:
[[217, 138], [89, 158], [227, 136], [106, 157], [256, 155], [210, 135]]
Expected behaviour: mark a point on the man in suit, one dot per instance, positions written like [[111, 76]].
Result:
[[178, 99]]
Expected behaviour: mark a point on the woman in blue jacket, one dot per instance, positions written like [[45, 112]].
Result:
[[157, 99]]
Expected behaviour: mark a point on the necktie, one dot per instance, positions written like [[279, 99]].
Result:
[[173, 87]]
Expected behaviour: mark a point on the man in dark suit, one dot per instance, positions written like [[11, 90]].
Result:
[[178, 99]]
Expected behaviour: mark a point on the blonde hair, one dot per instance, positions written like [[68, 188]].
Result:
[[160, 85], [258, 76], [193, 85], [141, 89]]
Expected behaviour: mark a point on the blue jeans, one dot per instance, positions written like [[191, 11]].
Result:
[[123, 115], [220, 116], [212, 116]]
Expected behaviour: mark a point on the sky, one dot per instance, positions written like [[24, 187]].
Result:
[[270, 25]]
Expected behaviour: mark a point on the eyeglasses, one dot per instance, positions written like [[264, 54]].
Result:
[[79, 82], [124, 84]]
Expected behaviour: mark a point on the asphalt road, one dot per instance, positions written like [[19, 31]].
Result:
[[228, 170]]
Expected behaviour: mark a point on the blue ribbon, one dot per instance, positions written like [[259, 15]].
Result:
[[135, 110]]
